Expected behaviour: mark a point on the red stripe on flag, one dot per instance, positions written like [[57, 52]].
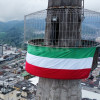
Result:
[[57, 73]]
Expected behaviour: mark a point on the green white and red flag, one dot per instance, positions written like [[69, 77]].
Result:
[[59, 63]]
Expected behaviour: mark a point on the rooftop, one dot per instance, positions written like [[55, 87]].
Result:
[[5, 90], [25, 74], [25, 85]]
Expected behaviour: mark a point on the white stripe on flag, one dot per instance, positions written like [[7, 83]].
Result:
[[59, 63]]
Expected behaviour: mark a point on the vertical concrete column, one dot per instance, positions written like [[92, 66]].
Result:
[[52, 89]]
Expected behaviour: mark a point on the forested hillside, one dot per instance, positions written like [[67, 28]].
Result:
[[12, 33]]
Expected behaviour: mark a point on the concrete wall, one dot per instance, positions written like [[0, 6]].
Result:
[[56, 3], [9, 96], [51, 89]]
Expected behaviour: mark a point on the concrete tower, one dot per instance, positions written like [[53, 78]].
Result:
[[52, 89], [59, 52]]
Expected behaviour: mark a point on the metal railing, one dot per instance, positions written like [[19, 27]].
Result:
[[65, 27]]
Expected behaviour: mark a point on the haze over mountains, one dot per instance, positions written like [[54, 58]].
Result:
[[12, 32]]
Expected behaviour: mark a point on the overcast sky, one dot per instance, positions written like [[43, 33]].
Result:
[[16, 9]]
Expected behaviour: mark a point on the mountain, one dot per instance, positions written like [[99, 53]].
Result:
[[11, 32], [91, 27], [4, 26]]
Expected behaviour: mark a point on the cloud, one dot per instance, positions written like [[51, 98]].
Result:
[[92, 5], [16, 9]]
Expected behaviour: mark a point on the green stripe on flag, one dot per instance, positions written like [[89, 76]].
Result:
[[51, 52]]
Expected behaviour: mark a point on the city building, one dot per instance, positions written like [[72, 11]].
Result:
[[7, 93], [27, 89], [1, 50], [26, 75]]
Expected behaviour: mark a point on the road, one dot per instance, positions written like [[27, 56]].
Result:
[[10, 62], [96, 90]]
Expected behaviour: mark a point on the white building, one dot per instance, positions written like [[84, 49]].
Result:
[[90, 95], [8, 94], [1, 50]]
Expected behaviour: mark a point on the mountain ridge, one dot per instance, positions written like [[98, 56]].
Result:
[[12, 32]]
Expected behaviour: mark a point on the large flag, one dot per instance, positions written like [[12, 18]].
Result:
[[59, 63]]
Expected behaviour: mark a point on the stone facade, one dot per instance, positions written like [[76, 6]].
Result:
[[51, 89]]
